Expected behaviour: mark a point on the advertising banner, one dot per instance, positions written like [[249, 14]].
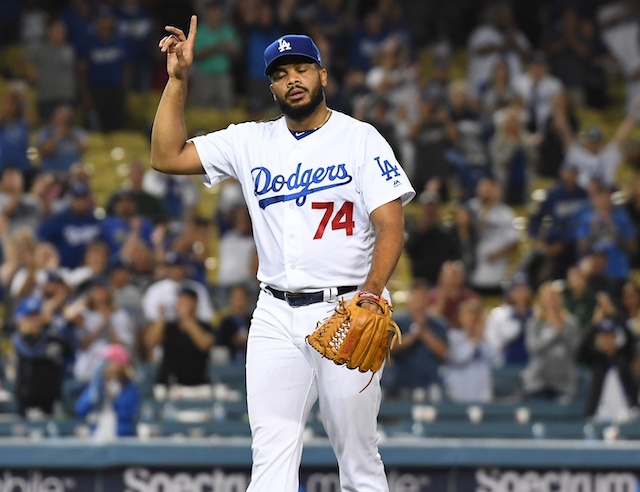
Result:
[[144, 479]]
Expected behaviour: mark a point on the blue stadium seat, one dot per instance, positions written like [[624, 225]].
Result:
[[485, 430], [224, 428], [230, 374], [395, 410], [566, 430], [146, 377], [506, 381]]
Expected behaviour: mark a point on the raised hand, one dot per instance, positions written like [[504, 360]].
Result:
[[179, 49]]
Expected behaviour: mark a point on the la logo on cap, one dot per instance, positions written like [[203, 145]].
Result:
[[283, 45]]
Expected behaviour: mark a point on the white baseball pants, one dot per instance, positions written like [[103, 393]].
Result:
[[285, 376]]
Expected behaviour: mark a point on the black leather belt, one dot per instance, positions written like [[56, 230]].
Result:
[[298, 299]]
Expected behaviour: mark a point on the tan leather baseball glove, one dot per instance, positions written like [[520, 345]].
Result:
[[355, 336]]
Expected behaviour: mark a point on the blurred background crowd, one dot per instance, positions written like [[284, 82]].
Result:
[[516, 122]]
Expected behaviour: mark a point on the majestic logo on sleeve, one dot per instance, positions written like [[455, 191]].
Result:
[[298, 185]]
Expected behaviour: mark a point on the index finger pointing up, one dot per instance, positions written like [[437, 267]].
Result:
[[193, 29]]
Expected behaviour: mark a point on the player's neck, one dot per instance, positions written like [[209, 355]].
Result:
[[319, 117]]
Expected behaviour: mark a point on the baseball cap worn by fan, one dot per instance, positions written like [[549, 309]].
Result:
[[290, 45], [187, 291], [116, 352], [593, 134], [28, 307], [173, 258], [52, 276], [608, 325], [80, 189], [599, 247], [570, 165]]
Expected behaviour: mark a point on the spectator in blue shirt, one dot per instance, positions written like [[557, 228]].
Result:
[[233, 329], [366, 40], [611, 228], [72, 229], [14, 133], [60, 143], [40, 357], [110, 401], [135, 22], [259, 34], [563, 199], [117, 229], [506, 324], [103, 63], [553, 224], [78, 18], [417, 361]]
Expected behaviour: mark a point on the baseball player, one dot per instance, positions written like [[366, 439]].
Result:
[[325, 194]]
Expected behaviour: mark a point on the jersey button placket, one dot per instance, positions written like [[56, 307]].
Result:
[[293, 223]]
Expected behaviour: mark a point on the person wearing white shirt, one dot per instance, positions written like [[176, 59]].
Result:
[[493, 42], [505, 328], [470, 359], [237, 252], [593, 156], [393, 77], [620, 30], [537, 89], [497, 237], [161, 295], [102, 324], [237, 259]]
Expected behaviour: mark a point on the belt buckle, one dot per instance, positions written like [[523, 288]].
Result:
[[295, 299], [290, 300]]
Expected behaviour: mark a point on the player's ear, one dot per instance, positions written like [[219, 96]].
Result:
[[324, 77]]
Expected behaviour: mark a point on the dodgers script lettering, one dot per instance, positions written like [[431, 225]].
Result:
[[300, 183]]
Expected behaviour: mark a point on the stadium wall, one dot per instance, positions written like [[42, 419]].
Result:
[[451, 465]]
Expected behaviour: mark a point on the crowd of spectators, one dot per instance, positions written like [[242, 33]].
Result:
[[481, 101]]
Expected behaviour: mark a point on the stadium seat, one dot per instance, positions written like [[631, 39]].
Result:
[[145, 378], [223, 428], [486, 430], [506, 381], [393, 410], [230, 374]]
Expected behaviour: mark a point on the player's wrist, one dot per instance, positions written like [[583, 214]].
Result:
[[366, 297], [181, 82], [369, 295]]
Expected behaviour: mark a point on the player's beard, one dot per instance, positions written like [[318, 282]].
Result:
[[302, 111]]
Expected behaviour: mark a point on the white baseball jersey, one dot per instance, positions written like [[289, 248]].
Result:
[[164, 293], [309, 199]]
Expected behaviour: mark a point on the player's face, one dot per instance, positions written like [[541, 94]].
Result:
[[298, 88]]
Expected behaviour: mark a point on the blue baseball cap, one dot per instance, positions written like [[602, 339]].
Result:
[[118, 263], [608, 325], [593, 134], [173, 258], [599, 247], [52, 276], [28, 307], [570, 165], [290, 45], [80, 189]]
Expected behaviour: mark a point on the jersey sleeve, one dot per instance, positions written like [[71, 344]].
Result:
[[216, 151], [381, 178]]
